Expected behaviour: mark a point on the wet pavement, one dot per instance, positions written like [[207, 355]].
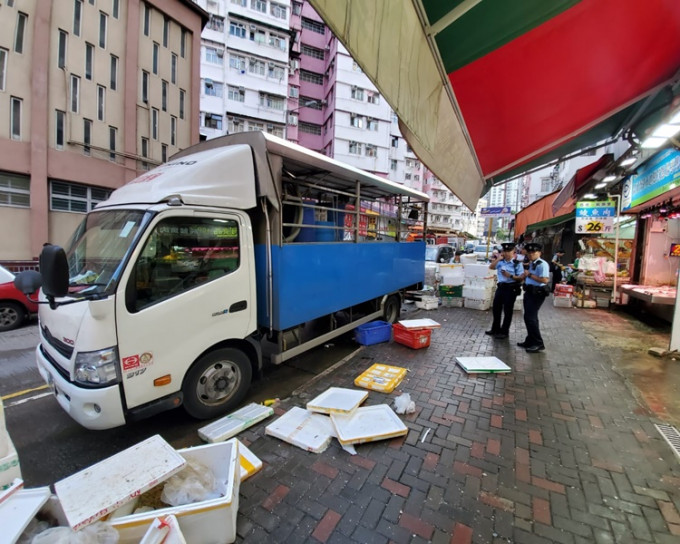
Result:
[[562, 449]]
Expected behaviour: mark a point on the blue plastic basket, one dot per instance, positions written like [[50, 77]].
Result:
[[374, 332]]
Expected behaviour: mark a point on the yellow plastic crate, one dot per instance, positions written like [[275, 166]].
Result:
[[381, 378]]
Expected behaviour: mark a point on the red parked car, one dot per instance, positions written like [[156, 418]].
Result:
[[14, 306]]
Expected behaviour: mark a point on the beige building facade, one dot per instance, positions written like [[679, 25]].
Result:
[[92, 93]]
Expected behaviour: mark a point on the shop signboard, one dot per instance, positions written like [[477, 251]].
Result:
[[675, 250], [660, 174], [497, 211], [595, 216]]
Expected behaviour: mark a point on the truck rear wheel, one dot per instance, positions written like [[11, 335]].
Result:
[[392, 308], [216, 383]]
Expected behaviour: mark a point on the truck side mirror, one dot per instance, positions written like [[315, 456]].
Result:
[[54, 271], [28, 282]]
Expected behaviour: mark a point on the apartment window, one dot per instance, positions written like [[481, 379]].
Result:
[[416, 177], [114, 73], [277, 41], [103, 22], [273, 102], [393, 165], [311, 77], [173, 69], [77, 16], [183, 44], [237, 63], [147, 19], [310, 128], [145, 151], [87, 136], [258, 36], [354, 148], [237, 29], [21, 29], [70, 197], [164, 95], [15, 190], [373, 98], [92, 2], [166, 31], [164, 153], [314, 26], [309, 102], [371, 150], [276, 72], [154, 123], [235, 125], [59, 129], [89, 59], [256, 67], [145, 86], [173, 130], [297, 8], [293, 91], [216, 23], [213, 120], [112, 143], [182, 98], [212, 88], [407, 176], [357, 93], [61, 50], [242, 3], [395, 141], [293, 119], [372, 124], [252, 127], [259, 5], [156, 50], [115, 9], [357, 121], [238, 94], [75, 93], [278, 11], [313, 52], [101, 102], [211, 55]]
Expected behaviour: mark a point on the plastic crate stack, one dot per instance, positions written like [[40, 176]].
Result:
[[451, 287], [564, 295], [9, 460], [479, 286]]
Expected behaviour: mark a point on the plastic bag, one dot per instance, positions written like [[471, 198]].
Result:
[[97, 533], [194, 483], [404, 405]]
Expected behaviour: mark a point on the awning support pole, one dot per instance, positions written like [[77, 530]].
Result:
[[616, 245]]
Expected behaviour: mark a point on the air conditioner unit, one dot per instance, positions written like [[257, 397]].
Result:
[[272, 65], [253, 27], [241, 89], [220, 53]]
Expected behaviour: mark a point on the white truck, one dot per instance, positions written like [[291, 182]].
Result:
[[240, 249]]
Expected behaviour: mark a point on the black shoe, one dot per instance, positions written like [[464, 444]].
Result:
[[535, 349], [500, 336], [523, 344], [491, 332]]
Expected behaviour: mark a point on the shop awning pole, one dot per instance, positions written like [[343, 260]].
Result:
[[616, 245]]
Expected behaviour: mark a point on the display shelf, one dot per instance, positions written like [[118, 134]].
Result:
[[662, 294]]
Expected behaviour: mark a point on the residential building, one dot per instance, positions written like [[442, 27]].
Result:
[[92, 93]]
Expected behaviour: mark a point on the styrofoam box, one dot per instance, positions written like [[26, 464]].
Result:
[[452, 274], [207, 522], [428, 304], [478, 271], [477, 304], [562, 301], [452, 302], [9, 466], [476, 292], [484, 283]]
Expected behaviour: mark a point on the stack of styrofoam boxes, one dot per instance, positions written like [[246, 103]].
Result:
[[9, 461], [451, 288], [480, 282], [563, 296]]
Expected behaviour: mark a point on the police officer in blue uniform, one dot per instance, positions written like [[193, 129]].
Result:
[[536, 289], [510, 273]]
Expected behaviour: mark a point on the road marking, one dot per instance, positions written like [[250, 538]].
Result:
[[34, 397], [20, 393]]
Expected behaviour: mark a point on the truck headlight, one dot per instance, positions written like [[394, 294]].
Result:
[[97, 367]]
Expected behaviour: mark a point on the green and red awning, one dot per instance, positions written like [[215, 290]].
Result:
[[486, 89]]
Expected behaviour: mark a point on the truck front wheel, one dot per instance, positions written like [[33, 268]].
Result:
[[216, 383]]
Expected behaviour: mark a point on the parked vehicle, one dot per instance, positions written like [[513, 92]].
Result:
[[484, 252], [241, 249], [15, 307], [442, 253]]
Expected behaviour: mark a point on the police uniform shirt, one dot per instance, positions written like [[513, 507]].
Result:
[[512, 267], [537, 268]]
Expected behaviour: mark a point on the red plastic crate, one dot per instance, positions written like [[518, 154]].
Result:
[[413, 338]]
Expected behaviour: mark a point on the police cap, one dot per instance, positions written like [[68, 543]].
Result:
[[508, 246], [531, 246]]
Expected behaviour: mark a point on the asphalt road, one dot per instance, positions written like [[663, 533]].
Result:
[[52, 446]]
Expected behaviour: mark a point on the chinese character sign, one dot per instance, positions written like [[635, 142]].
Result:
[[595, 217]]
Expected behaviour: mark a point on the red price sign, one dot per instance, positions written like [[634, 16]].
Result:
[[675, 250]]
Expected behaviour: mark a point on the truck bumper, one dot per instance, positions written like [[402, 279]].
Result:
[[92, 408]]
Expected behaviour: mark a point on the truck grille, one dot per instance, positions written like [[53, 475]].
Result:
[[63, 348]]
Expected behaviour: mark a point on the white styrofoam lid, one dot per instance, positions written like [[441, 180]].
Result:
[[482, 364], [101, 488], [304, 429], [19, 509], [232, 424], [420, 324], [368, 424], [337, 400]]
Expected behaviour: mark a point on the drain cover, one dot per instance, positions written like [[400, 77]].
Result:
[[670, 435]]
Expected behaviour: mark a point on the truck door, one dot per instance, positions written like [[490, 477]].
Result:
[[189, 285]]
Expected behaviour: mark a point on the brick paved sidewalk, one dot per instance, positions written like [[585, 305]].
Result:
[[559, 450]]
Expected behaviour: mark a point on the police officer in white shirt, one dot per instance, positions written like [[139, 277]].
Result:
[[536, 289]]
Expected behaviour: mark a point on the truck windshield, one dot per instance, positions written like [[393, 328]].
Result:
[[99, 247], [431, 253]]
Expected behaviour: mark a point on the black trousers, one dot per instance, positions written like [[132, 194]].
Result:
[[503, 302], [556, 278], [532, 303]]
